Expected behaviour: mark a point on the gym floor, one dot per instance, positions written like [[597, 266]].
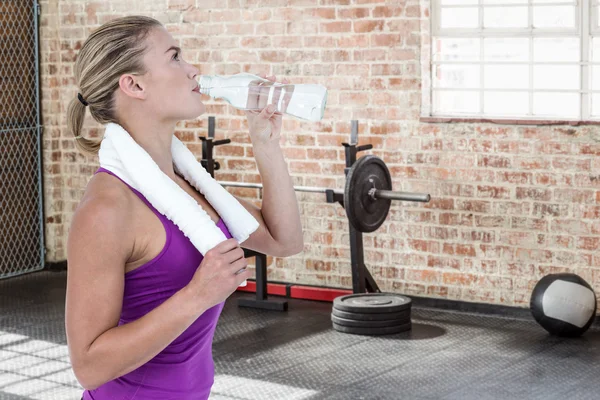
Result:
[[297, 355]]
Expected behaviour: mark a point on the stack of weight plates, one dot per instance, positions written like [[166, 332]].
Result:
[[371, 314]]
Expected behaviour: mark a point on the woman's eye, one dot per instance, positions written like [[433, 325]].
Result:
[[176, 56]]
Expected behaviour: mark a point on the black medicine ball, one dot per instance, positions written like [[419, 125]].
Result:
[[563, 304]]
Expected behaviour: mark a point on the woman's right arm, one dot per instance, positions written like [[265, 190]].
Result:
[[100, 242]]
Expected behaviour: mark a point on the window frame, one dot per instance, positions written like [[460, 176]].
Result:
[[594, 25], [586, 28]]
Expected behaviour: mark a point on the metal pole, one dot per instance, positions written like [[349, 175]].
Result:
[[311, 189], [357, 259], [375, 193], [405, 196], [261, 276], [39, 131]]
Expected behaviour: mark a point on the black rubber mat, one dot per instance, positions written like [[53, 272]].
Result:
[[297, 355]]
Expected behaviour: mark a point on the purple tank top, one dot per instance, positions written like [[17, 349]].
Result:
[[184, 370]]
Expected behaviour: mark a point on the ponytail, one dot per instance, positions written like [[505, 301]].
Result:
[[75, 117]]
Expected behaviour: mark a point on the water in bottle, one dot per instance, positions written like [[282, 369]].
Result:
[[251, 92]]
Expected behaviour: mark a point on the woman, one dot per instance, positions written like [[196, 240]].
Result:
[[142, 303]]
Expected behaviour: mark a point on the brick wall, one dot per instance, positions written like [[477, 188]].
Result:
[[510, 203]]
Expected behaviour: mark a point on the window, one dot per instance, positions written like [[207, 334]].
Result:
[[515, 59]]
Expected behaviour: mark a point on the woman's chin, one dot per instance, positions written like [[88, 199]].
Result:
[[194, 114]]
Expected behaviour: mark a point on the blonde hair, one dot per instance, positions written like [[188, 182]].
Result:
[[114, 49]]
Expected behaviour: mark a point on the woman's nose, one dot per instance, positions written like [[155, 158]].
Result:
[[193, 71]]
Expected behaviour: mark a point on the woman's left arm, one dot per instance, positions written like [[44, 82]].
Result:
[[280, 232]]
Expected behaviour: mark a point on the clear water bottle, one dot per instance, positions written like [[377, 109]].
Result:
[[251, 92]]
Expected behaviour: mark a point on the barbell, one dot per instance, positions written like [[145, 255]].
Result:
[[367, 195]]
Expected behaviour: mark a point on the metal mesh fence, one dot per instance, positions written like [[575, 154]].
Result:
[[21, 228]]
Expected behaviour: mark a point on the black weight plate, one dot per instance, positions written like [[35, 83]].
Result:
[[364, 213], [402, 315], [372, 303], [369, 324], [373, 331]]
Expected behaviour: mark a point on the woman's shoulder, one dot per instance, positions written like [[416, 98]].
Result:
[[102, 221], [104, 188], [105, 197]]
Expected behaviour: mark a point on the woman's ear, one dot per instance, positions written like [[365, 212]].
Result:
[[132, 86]]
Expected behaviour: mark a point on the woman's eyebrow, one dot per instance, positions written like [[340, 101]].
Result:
[[176, 48]]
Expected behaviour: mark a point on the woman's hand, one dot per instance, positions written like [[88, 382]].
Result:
[[265, 126], [221, 271]]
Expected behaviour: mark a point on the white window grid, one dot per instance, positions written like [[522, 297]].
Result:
[[595, 25], [586, 27]]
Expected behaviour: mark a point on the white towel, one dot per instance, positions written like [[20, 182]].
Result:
[[121, 155]]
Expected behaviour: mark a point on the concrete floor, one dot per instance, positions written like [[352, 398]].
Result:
[[297, 355]]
